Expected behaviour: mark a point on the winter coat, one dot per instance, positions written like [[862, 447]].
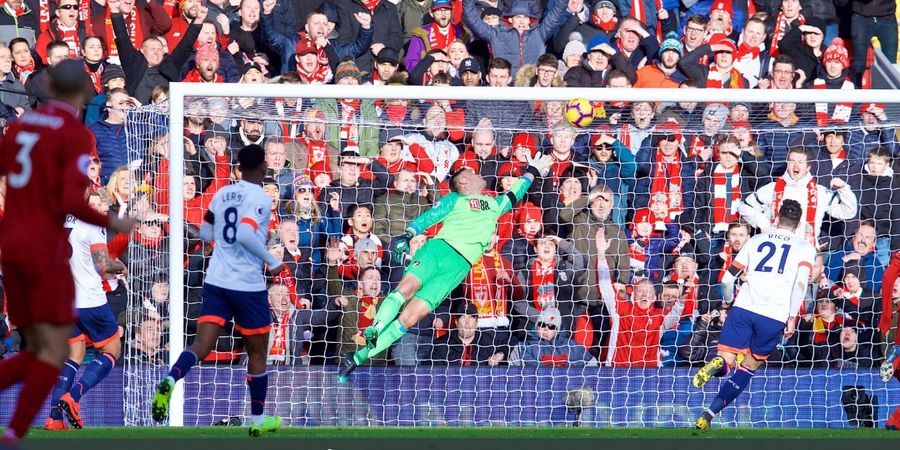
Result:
[[527, 77], [506, 42], [879, 202], [587, 30], [803, 56], [869, 8], [860, 141], [449, 350], [824, 170], [285, 44], [651, 76], [618, 175], [586, 76], [394, 211], [584, 231], [368, 134], [702, 345], [411, 13], [518, 251], [111, 146], [645, 53], [24, 26], [874, 271], [654, 249], [362, 193], [775, 139], [52, 34], [154, 20], [419, 43], [570, 266], [135, 64], [560, 352], [385, 26], [756, 209], [9, 82]]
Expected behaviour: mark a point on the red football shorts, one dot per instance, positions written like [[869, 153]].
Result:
[[38, 293]]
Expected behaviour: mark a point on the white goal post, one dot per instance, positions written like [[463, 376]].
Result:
[[178, 92]]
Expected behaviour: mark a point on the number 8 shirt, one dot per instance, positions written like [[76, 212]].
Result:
[[231, 266]]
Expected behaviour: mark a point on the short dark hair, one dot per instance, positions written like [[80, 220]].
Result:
[[18, 40], [784, 59], [499, 63], [56, 44], [789, 213], [739, 224], [698, 19], [251, 157], [616, 73], [801, 150], [291, 77], [454, 179], [547, 59], [880, 152], [670, 284], [441, 78], [88, 38], [356, 206]]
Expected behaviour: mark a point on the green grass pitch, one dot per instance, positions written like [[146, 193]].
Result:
[[480, 432]]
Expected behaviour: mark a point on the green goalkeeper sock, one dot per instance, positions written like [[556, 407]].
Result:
[[388, 310], [394, 331]]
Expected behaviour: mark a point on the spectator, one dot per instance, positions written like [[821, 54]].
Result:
[[819, 333], [572, 54], [18, 19], [311, 147], [695, 32], [147, 342], [110, 132], [549, 346], [24, 62], [350, 188], [784, 74], [147, 255], [281, 334], [355, 130], [141, 21], [782, 22], [614, 165], [760, 209], [249, 130], [520, 248], [387, 65], [503, 115], [207, 66], [879, 201], [38, 85], [871, 19], [650, 238], [782, 131], [603, 21], [868, 133], [65, 27], [387, 31], [545, 73], [358, 308], [466, 345], [665, 73], [470, 72], [705, 337], [664, 172], [636, 323], [318, 29], [853, 298], [599, 60], [152, 66], [397, 208], [11, 84], [702, 144], [832, 160], [752, 58], [433, 139], [279, 168], [550, 280], [360, 232], [438, 34], [520, 40], [833, 74], [857, 350], [314, 225], [721, 74], [636, 43], [804, 45], [860, 250]]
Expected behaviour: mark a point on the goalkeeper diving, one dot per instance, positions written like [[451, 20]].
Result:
[[469, 219]]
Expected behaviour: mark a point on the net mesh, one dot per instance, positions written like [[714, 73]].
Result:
[[347, 176]]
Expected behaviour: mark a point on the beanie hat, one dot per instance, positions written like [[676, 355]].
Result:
[[529, 212], [206, 52], [111, 72], [550, 316], [598, 42], [723, 5], [346, 69], [837, 52], [670, 43], [642, 215], [508, 170], [525, 140], [575, 45], [317, 169]]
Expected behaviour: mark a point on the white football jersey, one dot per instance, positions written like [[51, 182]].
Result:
[[231, 266], [772, 263], [83, 238]]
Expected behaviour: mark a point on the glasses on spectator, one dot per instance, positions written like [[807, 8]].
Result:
[[695, 30], [782, 72], [68, 7], [546, 70], [548, 326], [605, 148]]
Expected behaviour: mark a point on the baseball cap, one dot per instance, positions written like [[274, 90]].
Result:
[[348, 154], [365, 245], [469, 64], [388, 55], [441, 4], [550, 316], [305, 47]]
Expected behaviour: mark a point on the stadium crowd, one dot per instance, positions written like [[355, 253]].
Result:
[[613, 259]]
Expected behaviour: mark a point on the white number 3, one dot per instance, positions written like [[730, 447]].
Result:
[[27, 142]]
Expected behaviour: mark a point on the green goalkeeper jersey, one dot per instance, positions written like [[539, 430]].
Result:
[[469, 221]]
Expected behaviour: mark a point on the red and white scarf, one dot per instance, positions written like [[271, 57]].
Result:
[[605, 26], [194, 77], [349, 129], [25, 72], [365, 317], [727, 256], [95, 77], [371, 4], [320, 51], [718, 79], [543, 283], [841, 114], [278, 348], [84, 13], [69, 36], [781, 24], [637, 251], [812, 204], [667, 182], [439, 40], [291, 124], [489, 299], [135, 32], [726, 198]]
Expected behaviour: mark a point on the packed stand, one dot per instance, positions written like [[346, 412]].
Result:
[[614, 259]]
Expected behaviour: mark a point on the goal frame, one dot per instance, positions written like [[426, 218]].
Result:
[[179, 91]]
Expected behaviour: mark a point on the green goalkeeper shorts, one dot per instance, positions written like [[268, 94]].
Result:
[[440, 269]]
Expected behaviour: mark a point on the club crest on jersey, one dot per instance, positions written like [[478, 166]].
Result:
[[478, 204]]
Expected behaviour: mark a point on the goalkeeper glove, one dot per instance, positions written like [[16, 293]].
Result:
[[538, 165], [401, 247]]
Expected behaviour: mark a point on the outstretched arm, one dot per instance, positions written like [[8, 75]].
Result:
[[538, 166], [433, 215]]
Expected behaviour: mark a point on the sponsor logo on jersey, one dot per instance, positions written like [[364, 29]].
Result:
[[478, 204]]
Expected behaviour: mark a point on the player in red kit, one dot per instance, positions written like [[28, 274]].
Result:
[[45, 156]]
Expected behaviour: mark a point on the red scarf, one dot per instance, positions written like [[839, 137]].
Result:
[[812, 205], [725, 198], [321, 75], [723, 80], [371, 4], [349, 129], [841, 114], [639, 11], [821, 328], [278, 349], [440, 41], [488, 298], [667, 182], [466, 358], [43, 14], [95, 77], [84, 13], [396, 113], [291, 127], [543, 283], [637, 251], [194, 77], [365, 317], [744, 50], [624, 135], [135, 32], [697, 143], [316, 151], [286, 277], [781, 24], [25, 72], [605, 26]]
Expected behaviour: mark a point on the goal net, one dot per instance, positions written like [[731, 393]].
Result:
[[600, 294]]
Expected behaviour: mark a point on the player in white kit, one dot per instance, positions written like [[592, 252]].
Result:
[[235, 286], [88, 260], [776, 267]]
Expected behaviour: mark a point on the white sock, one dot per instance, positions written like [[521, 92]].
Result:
[[257, 420]]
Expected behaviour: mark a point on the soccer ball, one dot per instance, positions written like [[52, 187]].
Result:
[[579, 112]]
